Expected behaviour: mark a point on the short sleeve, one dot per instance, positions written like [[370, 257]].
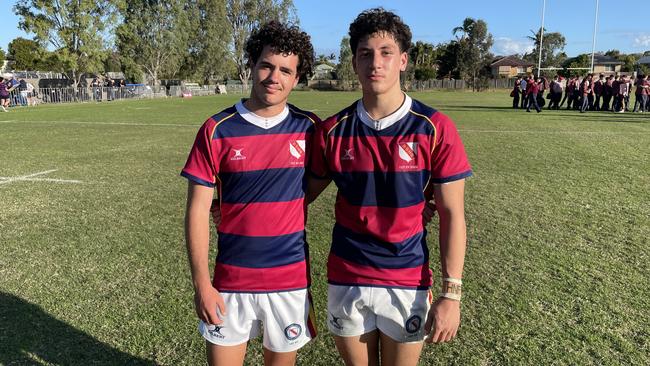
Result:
[[448, 160], [200, 166]]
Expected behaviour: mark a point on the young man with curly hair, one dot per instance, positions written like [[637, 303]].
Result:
[[254, 154], [388, 155]]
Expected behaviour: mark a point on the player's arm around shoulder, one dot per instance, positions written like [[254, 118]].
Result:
[[317, 170], [444, 317], [197, 235]]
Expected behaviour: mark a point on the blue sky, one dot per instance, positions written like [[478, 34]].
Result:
[[509, 21]]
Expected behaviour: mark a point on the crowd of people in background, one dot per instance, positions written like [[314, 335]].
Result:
[[588, 93], [24, 95]]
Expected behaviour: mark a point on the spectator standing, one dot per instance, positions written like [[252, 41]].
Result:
[[4, 94], [642, 92], [599, 86], [608, 91], [516, 92], [22, 89], [30, 94], [585, 88], [622, 94], [522, 87], [533, 89]]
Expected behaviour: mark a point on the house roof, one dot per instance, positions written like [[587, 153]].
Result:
[[645, 60], [511, 61], [324, 67], [606, 60]]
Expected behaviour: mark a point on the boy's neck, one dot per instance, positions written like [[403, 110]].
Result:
[[379, 106], [262, 110]]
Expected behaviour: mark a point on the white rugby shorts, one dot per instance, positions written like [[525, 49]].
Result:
[[398, 313], [287, 319]]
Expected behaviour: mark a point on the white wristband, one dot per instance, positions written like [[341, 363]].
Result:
[[449, 295], [457, 281]]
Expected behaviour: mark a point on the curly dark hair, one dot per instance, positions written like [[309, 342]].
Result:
[[379, 20], [283, 39]]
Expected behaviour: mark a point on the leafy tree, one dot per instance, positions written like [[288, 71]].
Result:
[[207, 57], [423, 56], [2, 56], [112, 62], [246, 15], [155, 36], [344, 70], [582, 60], [448, 54], [75, 28], [26, 53], [474, 50], [553, 45]]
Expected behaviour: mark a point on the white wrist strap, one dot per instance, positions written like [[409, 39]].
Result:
[[449, 295], [457, 281]]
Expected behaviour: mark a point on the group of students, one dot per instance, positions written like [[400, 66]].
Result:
[[15, 92], [395, 162], [590, 93]]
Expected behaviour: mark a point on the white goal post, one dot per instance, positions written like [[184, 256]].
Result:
[[541, 42]]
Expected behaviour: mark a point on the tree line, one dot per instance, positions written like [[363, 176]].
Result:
[[204, 40]]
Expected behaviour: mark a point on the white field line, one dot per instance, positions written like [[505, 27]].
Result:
[[460, 130], [541, 132], [30, 178], [106, 123]]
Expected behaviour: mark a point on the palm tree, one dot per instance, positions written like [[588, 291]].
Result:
[[465, 29]]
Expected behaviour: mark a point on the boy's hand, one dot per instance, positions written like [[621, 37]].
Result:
[[429, 212], [209, 305], [443, 321]]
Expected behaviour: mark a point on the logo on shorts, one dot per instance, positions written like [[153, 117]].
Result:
[[293, 331], [413, 324], [334, 321], [216, 331]]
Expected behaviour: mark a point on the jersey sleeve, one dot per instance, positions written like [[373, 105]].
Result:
[[318, 162], [448, 160], [201, 167]]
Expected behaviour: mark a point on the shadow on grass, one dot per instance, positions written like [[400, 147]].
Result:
[[29, 336]]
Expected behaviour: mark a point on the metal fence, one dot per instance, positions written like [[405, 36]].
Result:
[[83, 94], [100, 94]]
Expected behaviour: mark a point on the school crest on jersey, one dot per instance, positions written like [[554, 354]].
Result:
[[408, 151], [297, 148]]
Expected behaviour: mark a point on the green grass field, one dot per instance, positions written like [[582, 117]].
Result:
[[557, 268]]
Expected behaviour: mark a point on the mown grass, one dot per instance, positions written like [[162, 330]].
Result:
[[96, 273]]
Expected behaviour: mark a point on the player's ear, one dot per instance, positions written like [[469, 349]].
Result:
[[404, 61]]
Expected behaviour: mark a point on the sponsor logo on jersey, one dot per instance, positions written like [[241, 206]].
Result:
[[237, 153], [347, 154], [215, 331], [413, 324], [297, 148], [293, 331]]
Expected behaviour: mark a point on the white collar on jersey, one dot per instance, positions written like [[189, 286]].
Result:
[[387, 121], [261, 122]]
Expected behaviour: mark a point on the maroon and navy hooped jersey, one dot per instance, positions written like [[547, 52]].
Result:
[[381, 175], [260, 176]]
